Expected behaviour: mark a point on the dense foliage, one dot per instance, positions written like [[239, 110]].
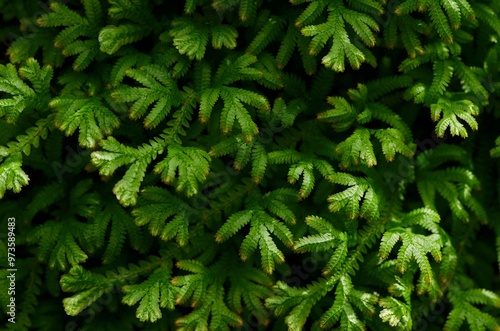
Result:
[[253, 164]]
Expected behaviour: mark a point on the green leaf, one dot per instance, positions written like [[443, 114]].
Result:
[[91, 287], [116, 155], [112, 38], [342, 116], [414, 245], [495, 152], [396, 313], [155, 293], [359, 200], [76, 26], [443, 71], [213, 314], [191, 37], [342, 47], [262, 225], [249, 287], [24, 98], [451, 112], [345, 298], [391, 140], [58, 242], [234, 223], [12, 177], [454, 184], [89, 115], [463, 302], [440, 22], [299, 300], [192, 165], [357, 149], [120, 225], [160, 91]]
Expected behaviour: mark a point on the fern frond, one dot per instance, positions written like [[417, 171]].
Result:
[[192, 165], [415, 247], [249, 286], [440, 22], [76, 26], [391, 143], [470, 81], [443, 71], [271, 30], [234, 99], [495, 152], [359, 200], [451, 112], [342, 116], [447, 183], [357, 149], [262, 224], [191, 37], [44, 198], [24, 98], [91, 287], [159, 89], [396, 313], [116, 155], [334, 28], [213, 314], [89, 115], [121, 225], [155, 293], [463, 309], [346, 298], [12, 176], [297, 301], [112, 38], [59, 240], [487, 15]]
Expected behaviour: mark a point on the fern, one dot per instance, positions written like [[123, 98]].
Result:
[[24, 97], [334, 28], [231, 164], [13, 177], [262, 224], [415, 246], [120, 224], [89, 115], [346, 298], [117, 155], [359, 200], [233, 98], [453, 181], [463, 309], [112, 38], [154, 293], [159, 91], [76, 26], [194, 45], [59, 241]]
